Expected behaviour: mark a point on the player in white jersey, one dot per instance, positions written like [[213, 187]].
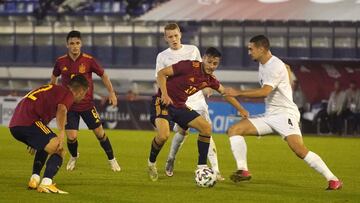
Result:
[[175, 53], [281, 114]]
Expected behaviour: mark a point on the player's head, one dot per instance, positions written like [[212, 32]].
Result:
[[211, 60], [172, 36], [79, 87], [73, 42], [258, 46]]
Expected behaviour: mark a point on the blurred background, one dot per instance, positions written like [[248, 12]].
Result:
[[319, 39]]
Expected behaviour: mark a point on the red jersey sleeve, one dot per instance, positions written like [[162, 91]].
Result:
[[97, 68], [68, 100], [56, 71], [182, 67], [214, 83]]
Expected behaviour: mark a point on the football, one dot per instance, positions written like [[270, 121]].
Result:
[[205, 177]]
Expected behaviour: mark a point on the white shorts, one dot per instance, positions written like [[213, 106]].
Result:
[[284, 124], [204, 112]]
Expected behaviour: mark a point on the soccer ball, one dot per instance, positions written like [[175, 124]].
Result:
[[205, 177]]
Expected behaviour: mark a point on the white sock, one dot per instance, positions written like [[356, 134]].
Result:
[[36, 177], [239, 150], [319, 165], [202, 166], [212, 156], [46, 181], [176, 143]]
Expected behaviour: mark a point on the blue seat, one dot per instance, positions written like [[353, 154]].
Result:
[[24, 54], [145, 56], [321, 53], [344, 53], [44, 55], [299, 52], [247, 61], [279, 51], [7, 54], [232, 57], [59, 51], [103, 54], [123, 56]]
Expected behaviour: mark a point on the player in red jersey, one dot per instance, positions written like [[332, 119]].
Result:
[[177, 83], [29, 125], [73, 63]]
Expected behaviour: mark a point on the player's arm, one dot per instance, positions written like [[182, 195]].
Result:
[[233, 101], [161, 81], [112, 96], [264, 91], [60, 122], [53, 79]]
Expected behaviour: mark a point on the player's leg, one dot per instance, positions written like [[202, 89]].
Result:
[[204, 128], [53, 165], [236, 135], [92, 120], [72, 127], [212, 155], [176, 143], [296, 144]]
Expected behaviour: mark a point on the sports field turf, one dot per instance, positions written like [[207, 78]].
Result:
[[278, 175]]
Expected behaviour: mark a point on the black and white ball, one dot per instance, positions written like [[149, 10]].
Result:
[[205, 177]]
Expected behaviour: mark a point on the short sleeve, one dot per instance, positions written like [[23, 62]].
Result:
[[159, 64], [214, 83], [56, 70], [96, 68], [197, 54], [272, 77]]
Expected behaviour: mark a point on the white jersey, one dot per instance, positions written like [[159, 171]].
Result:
[[169, 57], [280, 100]]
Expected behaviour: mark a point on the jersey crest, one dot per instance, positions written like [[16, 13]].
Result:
[[196, 64], [82, 68]]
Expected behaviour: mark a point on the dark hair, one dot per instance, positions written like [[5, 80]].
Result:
[[261, 41], [73, 33], [79, 81], [212, 51]]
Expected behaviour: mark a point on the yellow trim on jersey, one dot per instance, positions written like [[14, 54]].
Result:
[[87, 56], [62, 56], [43, 127]]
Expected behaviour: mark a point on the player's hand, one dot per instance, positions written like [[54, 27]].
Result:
[[229, 91], [208, 92], [113, 99], [31, 150], [166, 100], [244, 113]]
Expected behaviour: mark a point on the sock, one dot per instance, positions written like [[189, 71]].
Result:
[[39, 161], [212, 156], [72, 146], [52, 166], [239, 150], [155, 149], [105, 144], [176, 143], [203, 148], [319, 165]]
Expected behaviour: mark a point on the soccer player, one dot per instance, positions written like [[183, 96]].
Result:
[[175, 53], [29, 125], [77, 63], [281, 116], [176, 83]]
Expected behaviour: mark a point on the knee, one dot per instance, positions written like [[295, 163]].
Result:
[[206, 130], [234, 131], [163, 136], [182, 131], [99, 132], [71, 136]]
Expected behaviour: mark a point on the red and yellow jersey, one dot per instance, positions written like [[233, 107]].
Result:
[[188, 79], [41, 105], [84, 65]]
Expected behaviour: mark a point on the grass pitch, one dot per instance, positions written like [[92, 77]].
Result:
[[278, 175]]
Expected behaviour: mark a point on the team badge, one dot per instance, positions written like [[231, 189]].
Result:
[[82, 68], [196, 64]]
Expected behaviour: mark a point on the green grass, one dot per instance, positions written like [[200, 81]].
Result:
[[278, 175]]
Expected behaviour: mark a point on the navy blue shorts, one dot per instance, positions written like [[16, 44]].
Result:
[[181, 116], [90, 117], [36, 136]]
